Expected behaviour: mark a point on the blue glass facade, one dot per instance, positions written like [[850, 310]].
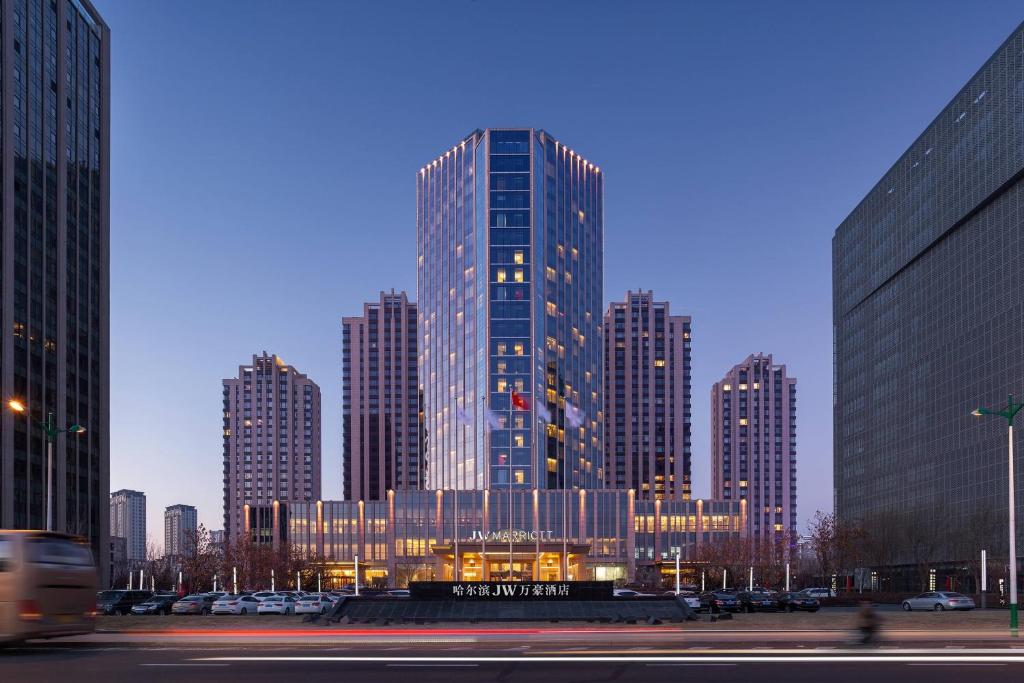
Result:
[[510, 260]]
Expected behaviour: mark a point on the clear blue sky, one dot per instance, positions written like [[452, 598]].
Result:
[[264, 156]]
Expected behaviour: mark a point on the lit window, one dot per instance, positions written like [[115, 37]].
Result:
[[518, 275], [551, 273], [727, 387], [501, 275], [743, 387], [502, 367], [757, 386], [501, 349], [581, 214], [659, 362], [518, 349], [519, 440], [743, 422], [551, 342], [502, 386], [568, 278], [520, 477], [552, 310], [517, 257]]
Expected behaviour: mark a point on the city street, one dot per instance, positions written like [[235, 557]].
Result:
[[519, 655]]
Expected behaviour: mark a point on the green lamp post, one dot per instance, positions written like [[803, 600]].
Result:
[[51, 431], [1009, 413]]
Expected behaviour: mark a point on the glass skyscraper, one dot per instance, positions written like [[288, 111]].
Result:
[[510, 255], [929, 324], [55, 256]]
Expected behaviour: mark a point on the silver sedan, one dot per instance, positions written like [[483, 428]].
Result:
[[938, 601]]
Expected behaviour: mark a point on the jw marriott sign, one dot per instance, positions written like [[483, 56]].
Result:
[[511, 536]]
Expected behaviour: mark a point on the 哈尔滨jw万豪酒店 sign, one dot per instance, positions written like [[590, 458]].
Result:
[[511, 535], [510, 590]]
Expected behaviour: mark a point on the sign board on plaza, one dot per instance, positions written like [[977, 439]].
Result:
[[511, 536], [510, 590]]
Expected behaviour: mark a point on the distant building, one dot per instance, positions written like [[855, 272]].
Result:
[[647, 398], [271, 445], [180, 524], [382, 447], [217, 537], [128, 520], [753, 443], [55, 289]]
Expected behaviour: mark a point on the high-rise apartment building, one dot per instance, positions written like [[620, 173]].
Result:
[[929, 324], [753, 443], [647, 398], [180, 524], [510, 249], [128, 521], [54, 287], [271, 445], [382, 446]]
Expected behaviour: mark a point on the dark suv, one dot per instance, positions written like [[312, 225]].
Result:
[[793, 602], [120, 601]]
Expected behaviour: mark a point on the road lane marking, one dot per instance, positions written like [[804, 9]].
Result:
[[805, 658], [182, 664]]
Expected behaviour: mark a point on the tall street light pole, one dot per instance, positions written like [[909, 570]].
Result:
[[51, 431], [1011, 411]]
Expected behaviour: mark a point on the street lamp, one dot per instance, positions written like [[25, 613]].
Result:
[[1011, 411], [51, 431]]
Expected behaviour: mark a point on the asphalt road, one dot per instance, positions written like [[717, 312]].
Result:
[[569, 657], [54, 662]]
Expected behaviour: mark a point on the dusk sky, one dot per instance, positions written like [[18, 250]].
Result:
[[263, 181]]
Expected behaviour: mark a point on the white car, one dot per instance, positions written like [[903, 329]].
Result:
[[263, 595], [689, 597], [314, 604], [629, 593], [235, 604], [818, 592], [277, 604]]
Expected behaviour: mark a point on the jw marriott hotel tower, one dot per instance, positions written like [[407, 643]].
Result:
[[510, 233]]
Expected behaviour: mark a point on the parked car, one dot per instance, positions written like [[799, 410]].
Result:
[[398, 593], [235, 604], [691, 598], [758, 601], [277, 604], [719, 601], [120, 601], [818, 593], [157, 604], [193, 604], [314, 604], [263, 595], [798, 602], [629, 593], [294, 594], [939, 601]]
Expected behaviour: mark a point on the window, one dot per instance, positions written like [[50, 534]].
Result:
[[518, 275], [517, 256], [519, 477], [500, 276], [518, 349]]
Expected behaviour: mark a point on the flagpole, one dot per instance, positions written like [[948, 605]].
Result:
[[456, 528], [565, 503], [510, 392]]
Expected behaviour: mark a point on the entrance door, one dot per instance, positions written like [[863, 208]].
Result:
[[522, 570]]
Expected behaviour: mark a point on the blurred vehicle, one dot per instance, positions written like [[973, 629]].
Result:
[[217, 595], [818, 592], [295, 595], [157, 604], [758, 601], [398, 593], [235, 604], [798, 602], [629, 593], [47, 585], [277, 604], [938, 601], [193, 604], [314, 604], [691, 598], [719, 601], [120, 601], [263, 595]]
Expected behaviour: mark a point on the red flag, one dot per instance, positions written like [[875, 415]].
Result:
[[519, 402]]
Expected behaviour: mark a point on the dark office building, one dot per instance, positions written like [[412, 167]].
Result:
[[647, 398], [382, 447], [54, 279], [929, 324]]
